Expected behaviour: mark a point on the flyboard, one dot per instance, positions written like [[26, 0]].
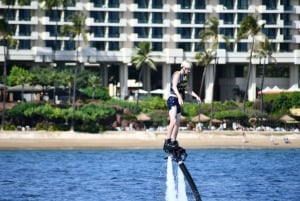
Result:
[[179, 155]]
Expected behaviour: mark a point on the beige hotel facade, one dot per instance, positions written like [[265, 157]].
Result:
[[172, 28]]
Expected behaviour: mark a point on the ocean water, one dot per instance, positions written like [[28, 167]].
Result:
[[140, 175]]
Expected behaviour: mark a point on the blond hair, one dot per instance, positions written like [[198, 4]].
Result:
[[186, 64]]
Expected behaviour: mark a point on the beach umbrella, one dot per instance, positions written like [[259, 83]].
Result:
[[143, 117], [157, 91], [203, 118], [288, 119]]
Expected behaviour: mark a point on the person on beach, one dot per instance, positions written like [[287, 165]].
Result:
[[179, 84]]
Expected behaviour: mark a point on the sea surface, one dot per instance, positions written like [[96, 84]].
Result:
[[140, 175]]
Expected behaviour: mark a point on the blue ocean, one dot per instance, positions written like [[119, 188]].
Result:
[[139, 175]]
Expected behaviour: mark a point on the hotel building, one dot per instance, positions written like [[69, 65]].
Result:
[[172, 27]]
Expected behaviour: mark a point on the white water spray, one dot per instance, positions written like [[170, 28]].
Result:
[[181, 186], [171, 190]]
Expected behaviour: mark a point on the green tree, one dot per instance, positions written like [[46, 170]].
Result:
[[19, 76], [249, 26], [263, 50], [142, 60], [75, 31], [94, 82], [210, 33], [6, 38]]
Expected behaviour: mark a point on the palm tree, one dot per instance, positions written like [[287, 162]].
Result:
[[74, 31], [249, 27], [211, 33], [142, 59], [263, 50], [93, 81], [204, 58], [6, 36], [49, 5]]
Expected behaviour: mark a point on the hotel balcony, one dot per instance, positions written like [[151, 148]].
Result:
[[264, 9], [136, 23], [249, 9], [91, 22], [78, 7], [33, 5], [134, 37], [207, 9], [32, 36], [91, 7], [165, 9], [296, 38], [122, 38]]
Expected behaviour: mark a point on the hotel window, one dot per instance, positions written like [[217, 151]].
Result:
[[54, 44], [157, 46], [98, 16], [199, 47], [113, 46], [54, 15], [11, 14], [157, 3], [228, 4], [157, 32], [113, 17], [284, 47], [99, 45], [98, 31], [68, 15], [286, 18], [243, 4], [229, 32], [157, 18], [200, 4], [241, 16], [270, 4], [227, 18], [142, 3], [142, 32], [228, 47], [69, 45], [142, 17], [270, 32], [24, 44], [24, 15], [184, 32], [185, 18], [185, 4], [24, 30], [113, 32], [269, 17], [286, 34], [197, 32], [98, 3], [185, 46], [199, 18], [51, 29], [242, 47], [113, 3], [286, 4]]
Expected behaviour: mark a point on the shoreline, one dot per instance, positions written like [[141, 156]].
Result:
[[45, 140]]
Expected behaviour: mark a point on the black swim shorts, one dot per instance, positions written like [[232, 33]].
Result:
[[173, 101]]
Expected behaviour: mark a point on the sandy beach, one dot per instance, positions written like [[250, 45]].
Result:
[[10, 140]]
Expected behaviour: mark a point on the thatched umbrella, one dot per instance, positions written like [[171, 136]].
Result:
[[143, 117], [288, 119], [203, 118]]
